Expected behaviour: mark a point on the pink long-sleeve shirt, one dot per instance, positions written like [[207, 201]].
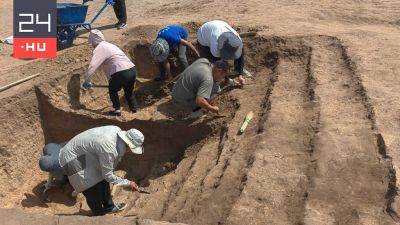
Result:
[[110, 57]]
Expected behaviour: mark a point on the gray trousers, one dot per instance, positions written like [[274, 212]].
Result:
[[181, 53]]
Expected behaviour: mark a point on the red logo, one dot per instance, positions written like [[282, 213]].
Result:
[[35, 48], [35, 25]]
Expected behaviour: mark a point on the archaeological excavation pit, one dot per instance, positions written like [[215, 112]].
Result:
[[203, 171]]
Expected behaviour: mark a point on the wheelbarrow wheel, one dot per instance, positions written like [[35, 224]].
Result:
[[65, 37]]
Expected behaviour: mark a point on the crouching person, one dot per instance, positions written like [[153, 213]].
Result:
[[49, 163], [89, 160], [194, 88]]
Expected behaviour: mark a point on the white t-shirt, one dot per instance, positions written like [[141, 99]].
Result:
[[208, 34]]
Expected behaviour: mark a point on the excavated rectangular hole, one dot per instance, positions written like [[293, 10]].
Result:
[[55, 112], [165, 146]]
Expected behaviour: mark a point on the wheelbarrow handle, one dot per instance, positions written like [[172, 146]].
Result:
[[108, 2], [84, 1]]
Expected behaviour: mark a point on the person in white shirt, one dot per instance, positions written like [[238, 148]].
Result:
[[216, 39]]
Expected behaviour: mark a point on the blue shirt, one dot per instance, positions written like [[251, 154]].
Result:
[[173, 35]]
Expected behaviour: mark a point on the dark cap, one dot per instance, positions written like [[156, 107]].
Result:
[[222, 64], [230, 46]]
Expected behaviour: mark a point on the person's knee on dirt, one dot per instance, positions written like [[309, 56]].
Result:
[[195, 86], [216, 39], [170, 38], [118, 68], [89, 160]]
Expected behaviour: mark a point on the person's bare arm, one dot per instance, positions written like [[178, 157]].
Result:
[[134, 186], [191, 46], [241, 80], [203, 103]]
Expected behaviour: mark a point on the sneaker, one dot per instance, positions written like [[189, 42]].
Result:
[[133, 110], [246, 73], [118, 207], [121, 25], [115, 113]]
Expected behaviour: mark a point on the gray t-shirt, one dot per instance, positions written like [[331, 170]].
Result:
[[196, 80]]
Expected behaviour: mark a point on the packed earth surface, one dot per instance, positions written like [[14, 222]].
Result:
[[322, 147]]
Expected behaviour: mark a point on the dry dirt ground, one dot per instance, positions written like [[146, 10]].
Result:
[[321, 149]]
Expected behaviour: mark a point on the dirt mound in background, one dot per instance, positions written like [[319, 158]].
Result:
[[311, 154]]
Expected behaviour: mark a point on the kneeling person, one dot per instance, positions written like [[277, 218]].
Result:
[[89, 160], [194, 88], [49, 163]]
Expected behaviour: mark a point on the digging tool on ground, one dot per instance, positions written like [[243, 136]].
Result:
[[142, 191], [246, 121], [18, 82], [100, 85]]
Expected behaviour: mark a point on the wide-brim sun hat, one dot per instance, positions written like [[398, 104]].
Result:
[[159, 50], [134, 139], [230, 46]]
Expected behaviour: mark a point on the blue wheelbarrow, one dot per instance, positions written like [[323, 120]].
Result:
[[70, 16]]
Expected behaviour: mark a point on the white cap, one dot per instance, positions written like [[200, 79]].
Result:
[[134, 139]]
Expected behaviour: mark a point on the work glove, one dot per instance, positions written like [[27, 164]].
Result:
[[87, 84]]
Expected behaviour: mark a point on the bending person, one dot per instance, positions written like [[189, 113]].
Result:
[[171, 40], [89, 160], [49, 163], [119, 69], [193, 90], [216, 39]]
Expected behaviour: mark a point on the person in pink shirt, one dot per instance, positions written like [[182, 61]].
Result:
[[119, 69]]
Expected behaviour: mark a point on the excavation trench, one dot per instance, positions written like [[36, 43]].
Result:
[[202, 171], [65, 109], [165, 146]]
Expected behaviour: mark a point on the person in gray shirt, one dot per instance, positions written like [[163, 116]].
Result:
[[194, 87], [89, 160]]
